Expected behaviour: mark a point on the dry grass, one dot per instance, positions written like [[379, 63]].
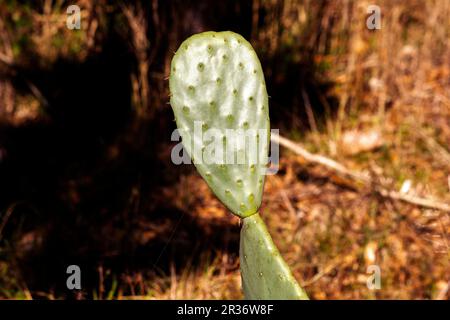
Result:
[[329, 235]]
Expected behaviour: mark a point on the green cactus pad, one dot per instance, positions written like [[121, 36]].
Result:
[[265, 275], [217, 83]]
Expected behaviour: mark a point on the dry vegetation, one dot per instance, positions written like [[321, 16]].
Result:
[[389, 117]]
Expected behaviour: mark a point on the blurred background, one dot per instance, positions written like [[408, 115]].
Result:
[[85, 170]]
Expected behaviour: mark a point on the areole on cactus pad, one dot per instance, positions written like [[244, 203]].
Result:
[[220, 102]]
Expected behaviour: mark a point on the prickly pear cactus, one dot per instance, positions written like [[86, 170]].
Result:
[[265, 275], [217, 84], [220, 103]]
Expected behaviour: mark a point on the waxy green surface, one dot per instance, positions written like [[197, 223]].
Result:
[[216, 82], [265, 275]]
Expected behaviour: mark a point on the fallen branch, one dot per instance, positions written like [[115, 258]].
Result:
[[359, 176], [418, 201]]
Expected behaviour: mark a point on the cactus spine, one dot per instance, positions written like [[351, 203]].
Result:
[[220, 102]]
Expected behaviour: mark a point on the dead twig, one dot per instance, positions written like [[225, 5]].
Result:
[[418, 201], [367, 180], [315, 158]]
